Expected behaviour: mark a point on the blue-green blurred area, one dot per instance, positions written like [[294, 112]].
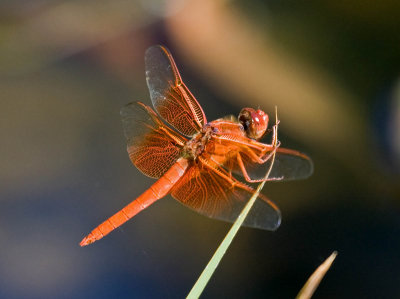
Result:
[[66, 69]]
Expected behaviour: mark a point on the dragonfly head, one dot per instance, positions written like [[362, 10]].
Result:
[[254, 122]]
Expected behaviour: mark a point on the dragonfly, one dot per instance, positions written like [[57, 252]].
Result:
[[204, 165]]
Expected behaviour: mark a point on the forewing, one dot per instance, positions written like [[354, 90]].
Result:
[[169, 95], [211, 194], [152, 147]]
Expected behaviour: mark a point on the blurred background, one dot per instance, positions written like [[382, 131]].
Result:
[[66, 69]]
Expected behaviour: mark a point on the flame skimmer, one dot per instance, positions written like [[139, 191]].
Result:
[[196, 161]]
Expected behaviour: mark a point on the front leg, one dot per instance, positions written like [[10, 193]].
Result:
[[263, 157], [271, 148]]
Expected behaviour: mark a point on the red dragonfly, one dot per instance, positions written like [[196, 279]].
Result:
[[196, 161]]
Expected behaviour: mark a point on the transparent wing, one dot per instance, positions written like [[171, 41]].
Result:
[[169, 95], [212, 193], [291, 165], [152, 147]]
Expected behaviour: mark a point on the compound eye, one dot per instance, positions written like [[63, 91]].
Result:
[[254, 122], [245, 118]]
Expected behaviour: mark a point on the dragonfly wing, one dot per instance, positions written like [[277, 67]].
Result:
[[291, 165], [153, 147], [169, 95], [210, 192]]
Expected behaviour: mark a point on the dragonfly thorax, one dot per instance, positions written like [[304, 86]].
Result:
[[195, 146]]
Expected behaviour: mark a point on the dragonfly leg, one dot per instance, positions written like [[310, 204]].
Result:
[[275, 142], [260, 159], [265, 155], [246, 175]]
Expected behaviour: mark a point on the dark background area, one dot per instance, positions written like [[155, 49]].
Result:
[[66, 69]]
